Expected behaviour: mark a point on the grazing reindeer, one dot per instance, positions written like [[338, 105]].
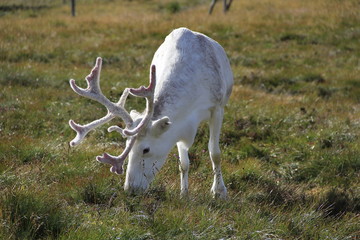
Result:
[[226, 5], [191, 83]]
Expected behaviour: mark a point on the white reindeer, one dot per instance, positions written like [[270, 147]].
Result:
[[225, 8], [191, 83]]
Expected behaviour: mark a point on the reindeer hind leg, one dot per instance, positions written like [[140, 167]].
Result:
[[218, 188], [228, 5], [213, 2]]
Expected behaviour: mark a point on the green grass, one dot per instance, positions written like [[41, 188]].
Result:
[[290, 139]]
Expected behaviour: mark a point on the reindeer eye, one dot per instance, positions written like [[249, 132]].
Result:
[[146, 150]]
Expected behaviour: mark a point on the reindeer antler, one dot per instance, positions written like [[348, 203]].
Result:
[[148, 94], [117, 162], [94, 92]]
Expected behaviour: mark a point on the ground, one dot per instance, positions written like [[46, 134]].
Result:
[[290, 139]]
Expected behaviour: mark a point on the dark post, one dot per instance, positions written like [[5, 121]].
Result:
[[73, 13]]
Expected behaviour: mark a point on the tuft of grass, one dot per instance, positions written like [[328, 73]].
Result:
[[94, 194], [30, 216], [173, 7], [330, 168]]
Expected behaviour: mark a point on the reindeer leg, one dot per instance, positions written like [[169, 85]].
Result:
[[212, 6], [218, 188], [227, 5], [184, 168], [183, 149]]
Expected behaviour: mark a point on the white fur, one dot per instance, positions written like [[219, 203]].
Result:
[[194, 82]]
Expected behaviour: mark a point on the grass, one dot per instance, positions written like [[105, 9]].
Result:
[[290, 144]]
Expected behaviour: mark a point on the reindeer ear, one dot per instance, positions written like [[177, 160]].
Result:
[[160, 126]]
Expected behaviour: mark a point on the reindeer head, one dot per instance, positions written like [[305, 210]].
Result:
[[147, 156], [144, 136]]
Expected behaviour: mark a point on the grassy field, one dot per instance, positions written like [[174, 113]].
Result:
[[290, 139]]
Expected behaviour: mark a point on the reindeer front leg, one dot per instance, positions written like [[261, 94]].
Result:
[[184, 168]]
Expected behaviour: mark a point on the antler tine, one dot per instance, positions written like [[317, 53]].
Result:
[[147, 93], [120, 103], [83, 130], [93, 81], [117, 162], [117, 129], [123, 97]]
